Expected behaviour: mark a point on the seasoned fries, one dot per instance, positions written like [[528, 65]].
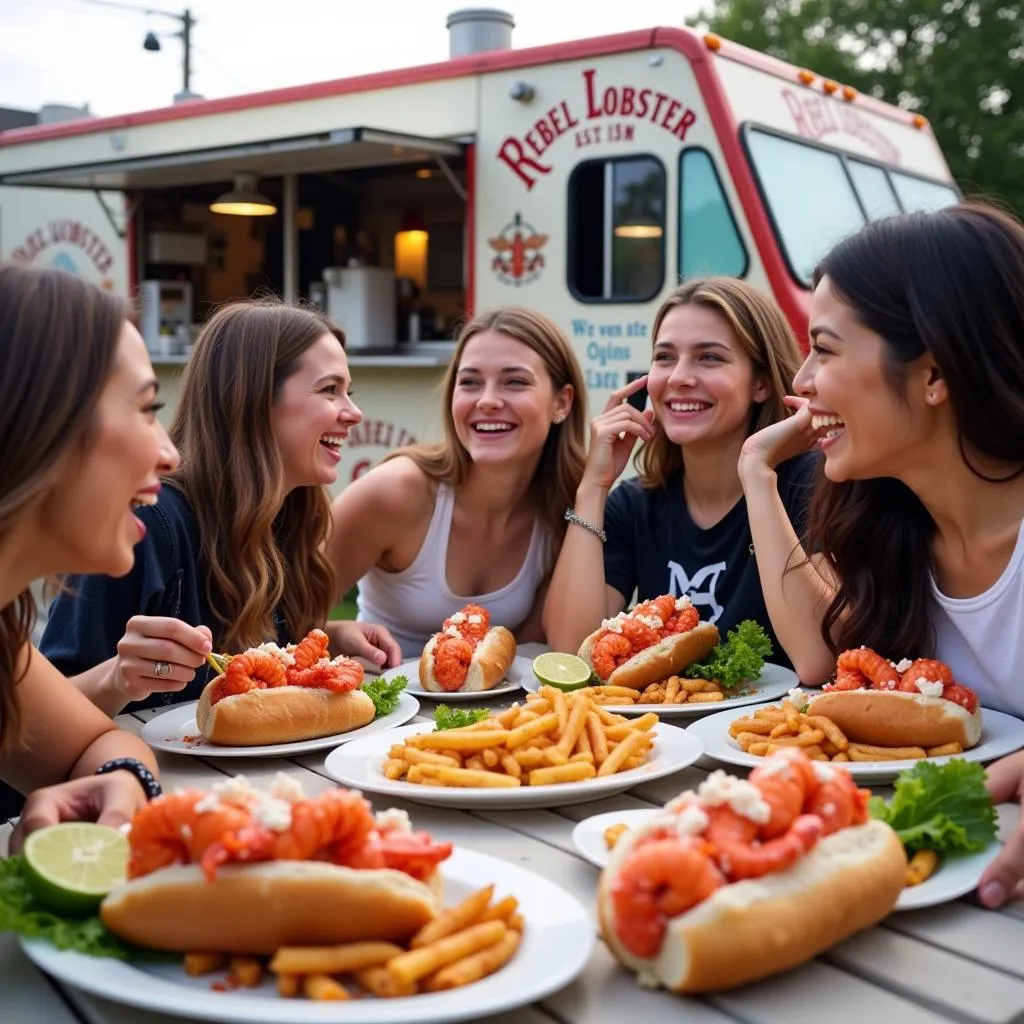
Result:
[[553, 738], [674, 690], [785, 725], [463, 944], [613, 833], [921, 866]]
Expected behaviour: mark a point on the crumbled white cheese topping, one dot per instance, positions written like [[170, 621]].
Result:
[[475, 620], [395, 819], [823, 772], [452, 631], [284, 787], [650, 620], [743, 797], [457, 619], [682, 603], [692, 822], [775, 766], [273, 813], [928, 687], [210, 802], [796, 695], [902, 665], [612, 625], [285, 657]]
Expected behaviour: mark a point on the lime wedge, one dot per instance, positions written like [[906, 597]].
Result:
[[564, 671], [72, 866]]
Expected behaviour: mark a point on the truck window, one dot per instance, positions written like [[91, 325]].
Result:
[[919, 194], [874, 188], [709, 242], [616, 246], [809, 197]]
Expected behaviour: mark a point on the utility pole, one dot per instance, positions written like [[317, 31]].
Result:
[[187, 21]]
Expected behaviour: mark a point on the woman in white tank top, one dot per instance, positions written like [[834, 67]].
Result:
[[914, 390], [479, 516]]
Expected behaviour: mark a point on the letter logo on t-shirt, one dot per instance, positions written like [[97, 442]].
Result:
[[707, 577]]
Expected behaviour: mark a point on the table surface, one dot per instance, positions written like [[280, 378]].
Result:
[[955, 962]]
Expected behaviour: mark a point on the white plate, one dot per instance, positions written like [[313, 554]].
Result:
[[588, 835], [521, 670], [168, 731], [554, 921], [359, 765], [1001, 734], [957, 875], [773, 682]]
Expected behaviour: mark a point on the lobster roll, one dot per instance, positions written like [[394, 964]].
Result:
[[468, 654]]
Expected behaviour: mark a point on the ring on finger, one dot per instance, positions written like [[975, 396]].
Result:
[[162, 669]]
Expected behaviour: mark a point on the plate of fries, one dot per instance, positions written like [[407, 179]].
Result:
[[557, 748], [595, 837], [487, 952], [679, 697], [743, 737]]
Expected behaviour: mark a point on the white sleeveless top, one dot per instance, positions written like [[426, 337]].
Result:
[[413, 603], [981, 638]]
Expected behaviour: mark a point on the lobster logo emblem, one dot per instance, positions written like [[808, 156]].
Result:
[[517, 248]]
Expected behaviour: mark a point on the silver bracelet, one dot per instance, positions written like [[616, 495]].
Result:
[[572, 517]]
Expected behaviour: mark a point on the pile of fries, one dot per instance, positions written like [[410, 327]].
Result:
[[555, 737], [461, 945], [785, 725], [674, 690]]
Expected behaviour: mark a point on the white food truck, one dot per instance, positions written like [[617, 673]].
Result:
[[584, 179]]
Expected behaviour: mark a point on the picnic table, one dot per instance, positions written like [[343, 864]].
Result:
[[953, 962]]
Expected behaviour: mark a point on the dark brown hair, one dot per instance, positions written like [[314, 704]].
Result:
[[59, 337], [263, 548], [554, 484], [949, 283], [764, 336]]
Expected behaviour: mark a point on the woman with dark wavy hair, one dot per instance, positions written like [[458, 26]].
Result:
[[80, 446], [234, 551], [914, 391]]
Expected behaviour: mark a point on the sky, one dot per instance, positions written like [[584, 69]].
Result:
[[78, 52]]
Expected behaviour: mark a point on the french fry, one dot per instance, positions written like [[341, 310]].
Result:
[[414, 756], [577, 720], [288, 985], [461, 740], [343, 959], [323, 989], [523, 734], [511, 766], [921, 866], [378, 981], [468, 777], [502, 910], [598, 742], [418, 963], [245, 971], [672, 687], [709, 697], [946, 749], [476, 966], [864, 752], [198, 964], [475, 763], [575, 771], [613, 833], [630, 745], [462, 915], [832, 732], [761, 726]]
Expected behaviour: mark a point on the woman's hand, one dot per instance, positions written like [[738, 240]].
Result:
[[1002, 880], [780, 441], [613, 436], [110, 799], [366, 640], [151, 640]]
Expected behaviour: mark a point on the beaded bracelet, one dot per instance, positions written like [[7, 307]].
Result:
[[572, 516], [146, 779]]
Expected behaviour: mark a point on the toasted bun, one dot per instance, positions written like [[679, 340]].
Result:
[[664, 659], [491, 661], [280, 714], [257, 908], [893, 718], [752, 929]]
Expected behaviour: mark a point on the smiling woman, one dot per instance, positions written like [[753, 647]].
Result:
[[478, 517], [233, 551]]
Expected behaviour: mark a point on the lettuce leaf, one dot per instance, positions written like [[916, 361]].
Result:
[[384, 693], [739, 659], [941, 807], [21, 913], [446, 717]]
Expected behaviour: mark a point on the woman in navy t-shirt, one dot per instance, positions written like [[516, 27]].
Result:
[[723, 362]]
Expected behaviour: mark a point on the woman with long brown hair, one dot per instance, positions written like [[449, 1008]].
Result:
[[914, 391], [722, 365], [478, 516], [233, 554], [80, 444]]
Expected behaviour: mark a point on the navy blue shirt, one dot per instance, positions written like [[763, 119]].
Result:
[[654, 547], [169, 578]]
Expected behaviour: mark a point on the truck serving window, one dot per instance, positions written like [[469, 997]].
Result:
[[709, 242], [809, 196], [918, 194], [616, 246]]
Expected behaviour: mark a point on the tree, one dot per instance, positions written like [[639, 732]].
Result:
[[960, 63]]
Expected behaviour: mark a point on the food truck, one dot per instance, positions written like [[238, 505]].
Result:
[[584, 179]]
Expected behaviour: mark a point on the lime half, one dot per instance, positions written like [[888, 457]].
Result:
[[71, 867], [565, 671]]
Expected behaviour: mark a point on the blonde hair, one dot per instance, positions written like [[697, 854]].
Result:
[[764, 336], [263, 548], [554, 484]]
